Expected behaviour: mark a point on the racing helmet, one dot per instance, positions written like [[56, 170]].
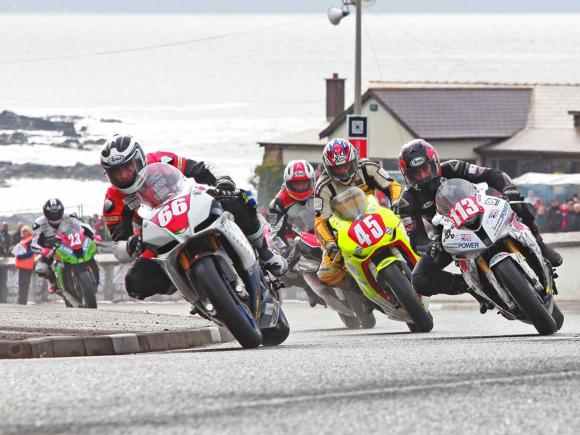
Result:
[[419, 164], [299, 179], [122, 158], [340, 160]]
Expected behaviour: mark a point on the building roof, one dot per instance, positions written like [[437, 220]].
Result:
[[445, 111], [550, 128]]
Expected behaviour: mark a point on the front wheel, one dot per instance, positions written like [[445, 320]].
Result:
[[235, 315], [558, 316], [525, 296], [407, 297], [87, 289]]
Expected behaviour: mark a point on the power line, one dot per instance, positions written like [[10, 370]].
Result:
[[155, 46], [373, 47], [430, 48]]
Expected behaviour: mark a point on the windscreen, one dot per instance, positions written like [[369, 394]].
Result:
[[349, 204], [69, 226], [157, 183], [451, 192]]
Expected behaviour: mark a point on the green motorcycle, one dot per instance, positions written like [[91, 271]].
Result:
[[77, 273]]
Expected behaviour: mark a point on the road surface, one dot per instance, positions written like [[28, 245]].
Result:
[[472, 374]]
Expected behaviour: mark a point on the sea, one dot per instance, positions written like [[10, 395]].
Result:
[[209, 87]]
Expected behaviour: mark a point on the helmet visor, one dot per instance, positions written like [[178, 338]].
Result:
[[422, 174], [124, 175], [299, 186], [343, 172]]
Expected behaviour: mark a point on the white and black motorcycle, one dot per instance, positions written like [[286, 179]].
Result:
[[208, 258], [497, 254]]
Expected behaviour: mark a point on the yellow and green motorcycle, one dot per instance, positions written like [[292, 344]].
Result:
[[378, 255]]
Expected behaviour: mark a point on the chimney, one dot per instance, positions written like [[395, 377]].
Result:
[[334, 97], [576, 115]]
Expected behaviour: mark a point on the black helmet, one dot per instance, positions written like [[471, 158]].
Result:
[[419, 163], [122, 158], [53, 211]]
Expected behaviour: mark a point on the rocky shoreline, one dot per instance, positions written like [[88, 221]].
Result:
[[22, 130]]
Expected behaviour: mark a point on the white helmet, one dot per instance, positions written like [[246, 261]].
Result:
[[122, 158], [299, 179]]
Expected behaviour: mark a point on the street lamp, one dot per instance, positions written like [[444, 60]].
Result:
[[334, 16]]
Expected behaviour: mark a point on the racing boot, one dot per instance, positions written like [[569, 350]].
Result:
[[271, 261], [549, 253]]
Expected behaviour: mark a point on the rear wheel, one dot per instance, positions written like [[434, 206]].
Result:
[[235, 315], [400, 286], [87, 289], [525, 296]]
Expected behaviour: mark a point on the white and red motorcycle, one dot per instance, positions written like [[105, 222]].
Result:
[[497, 254], [208, 258]]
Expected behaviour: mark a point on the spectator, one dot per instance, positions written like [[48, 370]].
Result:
[[541, 217], [5, 240], [16, 237], [564, 219], [24, 262], [554, 217], [575, 218], [533, 199]]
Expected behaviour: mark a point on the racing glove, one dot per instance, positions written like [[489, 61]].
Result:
[[46, 253], [511, 193], [434, 248], [332, 250], [225, 183], [134, 245]]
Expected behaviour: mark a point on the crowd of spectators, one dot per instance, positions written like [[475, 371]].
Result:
[[556, 216]]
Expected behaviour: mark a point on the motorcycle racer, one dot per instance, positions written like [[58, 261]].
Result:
[[420, 165], [44, 238], [293, 204], [122, 158], [343, 169]]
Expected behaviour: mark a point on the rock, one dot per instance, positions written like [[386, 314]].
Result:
[[16, 138], [12, 121], [34, 170], [94, 141]]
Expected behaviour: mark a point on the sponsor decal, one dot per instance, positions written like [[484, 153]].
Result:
[[492, 201], [466, 237], [427, 205], [472, 169], [492, 214], [417, 161], [407, 220], [454, 165], [113, 160], [447, 234], [132, 201], [470, 245]]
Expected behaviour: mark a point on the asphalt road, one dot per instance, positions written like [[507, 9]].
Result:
[[472, 374]]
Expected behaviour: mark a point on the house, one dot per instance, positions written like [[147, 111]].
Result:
[[517, 128], [513, 127]]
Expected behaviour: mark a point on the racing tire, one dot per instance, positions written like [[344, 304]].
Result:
[[278, 334], [557, 316], [86, 289], [525, 296], [349, 321], [220, 294], [404, 292]]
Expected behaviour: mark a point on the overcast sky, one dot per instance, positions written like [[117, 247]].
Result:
[[284, 6]]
